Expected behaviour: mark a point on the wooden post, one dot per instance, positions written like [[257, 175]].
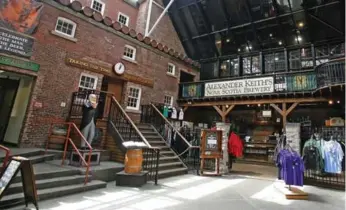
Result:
[[284, 112], [224, 112]]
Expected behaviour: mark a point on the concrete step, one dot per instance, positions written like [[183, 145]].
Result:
[[172, 172], [41, 158], [18, 199], [165, 153], [143, 126], [146, 129], [153, 137], [49, 174], [169, 159], [168, 166], [49, 183], [157, 143], [148, 133]]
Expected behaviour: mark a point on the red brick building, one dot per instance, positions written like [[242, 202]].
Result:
[[76, 48]]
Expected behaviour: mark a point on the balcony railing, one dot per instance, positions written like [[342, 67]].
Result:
[[325, 75]]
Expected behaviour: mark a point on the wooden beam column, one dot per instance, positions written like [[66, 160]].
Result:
[[284, 111], [224, 111]]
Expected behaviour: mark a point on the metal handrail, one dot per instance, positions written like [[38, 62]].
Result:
[[181, 136], [7, 156], [69, 140], [132, 123]]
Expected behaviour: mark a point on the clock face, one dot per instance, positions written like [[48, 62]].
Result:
[[119, 68]]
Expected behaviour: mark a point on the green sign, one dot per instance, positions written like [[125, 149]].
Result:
[[19, 63]]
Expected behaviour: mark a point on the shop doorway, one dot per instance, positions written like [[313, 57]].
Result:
[[8, 92], [15, 92], [186, 77]]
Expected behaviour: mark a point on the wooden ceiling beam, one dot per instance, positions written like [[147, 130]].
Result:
[[258, 101]]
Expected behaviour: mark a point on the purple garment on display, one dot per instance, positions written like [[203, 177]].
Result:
[[291, 167]]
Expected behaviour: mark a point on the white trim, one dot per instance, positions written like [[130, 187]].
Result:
[[173, 71], [69, 22], [90, 76], [138, 100], [101, 2], [134, 52], [171, 99], [127, 18]]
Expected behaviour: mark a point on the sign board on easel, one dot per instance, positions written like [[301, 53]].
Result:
[[211, 150], [23, 165]]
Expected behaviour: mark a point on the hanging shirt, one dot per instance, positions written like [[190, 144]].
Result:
[[333, 157], [174, 113], [313, 155], [181, 114], [235, 145], [165, 111], [291, 167]]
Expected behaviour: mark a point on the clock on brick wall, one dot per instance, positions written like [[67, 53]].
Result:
[[119, 68]]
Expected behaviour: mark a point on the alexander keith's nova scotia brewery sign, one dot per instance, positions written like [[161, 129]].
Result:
[[240, 87]]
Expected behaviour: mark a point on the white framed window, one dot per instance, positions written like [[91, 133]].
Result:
[[87, 82], [129, 52], [98, 6], [123, 19], [168, 101], [66, 27], [133, 98], [171, 69]]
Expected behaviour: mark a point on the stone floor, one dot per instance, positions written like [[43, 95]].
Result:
[[192, 192]]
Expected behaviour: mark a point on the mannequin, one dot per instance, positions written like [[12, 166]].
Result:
[[88, 124]]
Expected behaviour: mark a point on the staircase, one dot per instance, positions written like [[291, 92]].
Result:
[[52, 180], [169, 163]]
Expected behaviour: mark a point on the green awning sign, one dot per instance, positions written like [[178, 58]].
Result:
[[9, 61]]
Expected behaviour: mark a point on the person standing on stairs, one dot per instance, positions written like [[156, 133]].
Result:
[[88, 124]]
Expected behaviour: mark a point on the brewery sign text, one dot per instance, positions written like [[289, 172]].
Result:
[[240, 87]]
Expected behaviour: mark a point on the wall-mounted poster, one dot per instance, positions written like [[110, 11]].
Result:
[[192, 90]]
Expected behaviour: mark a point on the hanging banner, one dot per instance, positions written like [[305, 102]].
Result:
[[20, 16], [240, 87]]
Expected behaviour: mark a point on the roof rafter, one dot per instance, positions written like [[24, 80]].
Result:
[[254, 31]]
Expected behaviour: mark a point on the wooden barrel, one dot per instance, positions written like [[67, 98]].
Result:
[[133, 161]]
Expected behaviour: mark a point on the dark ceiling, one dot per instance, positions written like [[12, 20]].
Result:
[[217, 28]]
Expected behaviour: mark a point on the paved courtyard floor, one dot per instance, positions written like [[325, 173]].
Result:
[[190, 192]]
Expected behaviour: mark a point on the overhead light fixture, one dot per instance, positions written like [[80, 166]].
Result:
[[330, 102], [1, 71], [228, 40], [301, 24], [276, 58], [238, 49], [280, 42], [248, 105], [218, 42], [271, 35], [338, 102], [227, 61], [259, 105], [226, 106], [298, 39]]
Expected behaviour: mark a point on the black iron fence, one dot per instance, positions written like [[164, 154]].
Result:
[[327, 74], [188, 151], [151, 163]]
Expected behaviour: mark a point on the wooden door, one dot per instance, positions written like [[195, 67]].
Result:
[[116, 88]]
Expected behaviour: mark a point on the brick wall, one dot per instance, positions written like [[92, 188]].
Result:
[[113, 7], [56, 81], [164, 31]]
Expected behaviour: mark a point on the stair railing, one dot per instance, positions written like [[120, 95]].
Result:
[[7, 156], [190, 156], [119, 120], [68, 140]]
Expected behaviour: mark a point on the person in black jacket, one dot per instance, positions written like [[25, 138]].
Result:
[[88, 124]]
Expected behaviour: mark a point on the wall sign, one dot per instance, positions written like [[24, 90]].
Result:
[[119, 68], [88, 66], [20, 16], [82, 64], [5, 60], [15, 43], [240, 87]]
